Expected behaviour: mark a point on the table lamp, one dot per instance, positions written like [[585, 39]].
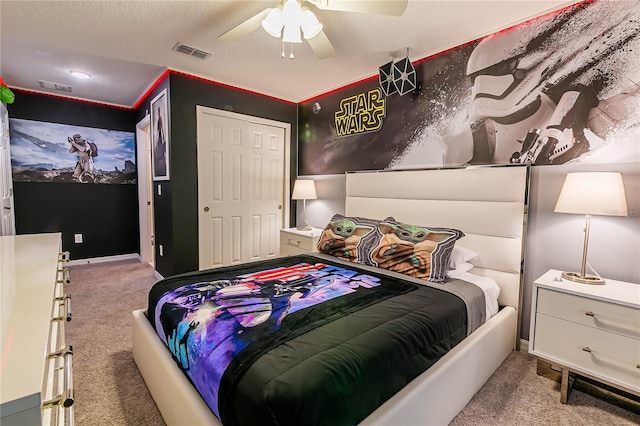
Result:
[[304, 189], [589, 193]]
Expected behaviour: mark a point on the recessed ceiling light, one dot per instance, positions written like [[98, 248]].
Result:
[[80, 74]]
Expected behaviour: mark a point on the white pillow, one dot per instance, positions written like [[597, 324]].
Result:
[[461, 269], [460, 255]]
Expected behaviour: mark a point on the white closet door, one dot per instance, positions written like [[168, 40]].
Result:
[[241, 184]]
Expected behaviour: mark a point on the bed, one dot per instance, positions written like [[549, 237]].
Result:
[[489, 205]]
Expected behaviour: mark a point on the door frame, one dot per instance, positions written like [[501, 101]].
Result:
[[286, 197], [145, 187], [6, 178]]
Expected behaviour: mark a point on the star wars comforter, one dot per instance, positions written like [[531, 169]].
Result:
[[307, 339]]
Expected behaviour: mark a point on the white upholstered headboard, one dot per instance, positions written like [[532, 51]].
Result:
[[489, 204]]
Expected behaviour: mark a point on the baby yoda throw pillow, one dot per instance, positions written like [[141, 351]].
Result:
[[349, 238], [418, 251]]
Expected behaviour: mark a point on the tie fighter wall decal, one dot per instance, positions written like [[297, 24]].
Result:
[[397, 77], [386, 79]]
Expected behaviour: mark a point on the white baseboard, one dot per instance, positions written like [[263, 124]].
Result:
[[524, 346], [104, 259], [116, 258]]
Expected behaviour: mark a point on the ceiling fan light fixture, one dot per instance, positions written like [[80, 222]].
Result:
[[292, 18], [311, 27], [273, 22], [291, 34]]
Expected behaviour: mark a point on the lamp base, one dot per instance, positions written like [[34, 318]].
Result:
[[582, 279]]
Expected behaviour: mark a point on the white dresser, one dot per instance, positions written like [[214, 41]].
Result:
[[35, 379], [295, 241], [590, 330]]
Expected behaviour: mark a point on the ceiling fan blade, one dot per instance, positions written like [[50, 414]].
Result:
[[380, 7], [321, 46], [245, 28]]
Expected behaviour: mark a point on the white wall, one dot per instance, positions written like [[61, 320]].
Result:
[[331, 195], [554, 240]]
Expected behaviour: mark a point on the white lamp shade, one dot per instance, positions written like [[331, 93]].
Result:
[[291, 34], [304, 189], [311, 27], [292, 16], [594, 193], [274, 22]]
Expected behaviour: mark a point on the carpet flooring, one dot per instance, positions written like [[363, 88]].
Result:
[[109, 390]]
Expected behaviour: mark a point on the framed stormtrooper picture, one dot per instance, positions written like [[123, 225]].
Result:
[[160, 136], [65, 153]]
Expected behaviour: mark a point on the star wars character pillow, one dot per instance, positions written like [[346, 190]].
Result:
[[418, 251], [349, 238]]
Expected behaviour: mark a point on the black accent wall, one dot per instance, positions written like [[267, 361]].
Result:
[[176, 210], [106, 214]]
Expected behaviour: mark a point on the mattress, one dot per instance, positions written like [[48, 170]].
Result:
[[307, 339]]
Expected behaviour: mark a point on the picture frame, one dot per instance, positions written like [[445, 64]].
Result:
[[57, 153], [159, 124]]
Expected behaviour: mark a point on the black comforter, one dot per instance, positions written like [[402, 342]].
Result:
[[302, 340]]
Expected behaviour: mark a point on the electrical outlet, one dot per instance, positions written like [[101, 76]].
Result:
[[160, 250], [77, 238]]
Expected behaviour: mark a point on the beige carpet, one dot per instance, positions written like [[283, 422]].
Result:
[[110, 391]]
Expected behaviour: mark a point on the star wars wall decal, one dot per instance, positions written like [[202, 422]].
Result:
[[557, 89], [361, 113]]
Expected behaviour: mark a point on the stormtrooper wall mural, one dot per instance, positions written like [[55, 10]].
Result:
[[558, 89]]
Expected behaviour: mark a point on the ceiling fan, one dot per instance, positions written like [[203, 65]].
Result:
[[292, 18]]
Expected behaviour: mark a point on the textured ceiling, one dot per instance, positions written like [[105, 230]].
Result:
[[127, 45]]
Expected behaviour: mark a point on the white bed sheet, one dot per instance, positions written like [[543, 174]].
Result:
[[488, 285]]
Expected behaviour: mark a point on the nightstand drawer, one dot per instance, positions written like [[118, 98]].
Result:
[[301, 242], [601, 315], [287, 250], [602, 354], [296, 241]]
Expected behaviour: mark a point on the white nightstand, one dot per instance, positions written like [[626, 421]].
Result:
[[295, 241], [590, 330]]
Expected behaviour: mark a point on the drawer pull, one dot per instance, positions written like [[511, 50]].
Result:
[[70, 417], [64, 256], [66, 398], [295, 242], [610, 359], [66, 275], [605, 317], [66, 304], [67, 307]]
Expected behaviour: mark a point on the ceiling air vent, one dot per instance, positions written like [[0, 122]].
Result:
[[191, 51], [54, 86]]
